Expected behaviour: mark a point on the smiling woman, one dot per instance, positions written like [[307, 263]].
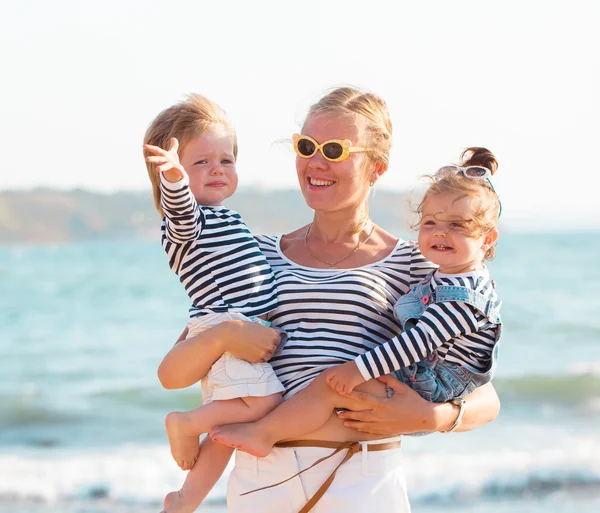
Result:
[[337, 281]]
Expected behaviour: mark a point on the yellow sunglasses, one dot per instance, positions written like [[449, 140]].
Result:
[[334, 150]]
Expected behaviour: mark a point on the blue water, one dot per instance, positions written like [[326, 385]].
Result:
[[83, 328]]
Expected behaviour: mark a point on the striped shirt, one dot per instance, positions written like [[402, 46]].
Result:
[[331, 316], [460, 333], [215, 256]]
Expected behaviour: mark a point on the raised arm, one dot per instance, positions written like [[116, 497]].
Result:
[[183, 219], [407, 412], [189, 360]]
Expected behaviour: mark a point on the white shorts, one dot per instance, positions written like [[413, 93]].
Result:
[[230, 377], [370, 482]]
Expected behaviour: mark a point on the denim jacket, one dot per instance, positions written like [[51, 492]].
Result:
[[434, 378]]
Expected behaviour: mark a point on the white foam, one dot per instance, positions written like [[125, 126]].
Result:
[[143, 475], [130, 474], [583, 368], [446, 473]]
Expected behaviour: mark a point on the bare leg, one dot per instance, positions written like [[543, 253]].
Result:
[[305, 412], [185, 428], [209, 467]]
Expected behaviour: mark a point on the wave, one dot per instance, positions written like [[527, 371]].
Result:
[[580, 386], [140, 475]]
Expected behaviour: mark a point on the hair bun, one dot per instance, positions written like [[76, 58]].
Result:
[[479, 157]]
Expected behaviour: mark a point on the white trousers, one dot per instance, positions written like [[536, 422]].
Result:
[[370, 482]]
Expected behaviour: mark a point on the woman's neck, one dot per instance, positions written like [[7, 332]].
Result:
[[341, 226]]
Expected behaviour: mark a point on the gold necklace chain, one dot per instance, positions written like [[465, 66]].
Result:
[[333, 264]]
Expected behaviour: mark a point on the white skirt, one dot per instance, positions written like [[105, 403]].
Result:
[[370, 482], [230, 377]]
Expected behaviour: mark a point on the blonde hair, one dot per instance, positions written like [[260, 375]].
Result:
[[486, 209], [185, 121], [371, 108]]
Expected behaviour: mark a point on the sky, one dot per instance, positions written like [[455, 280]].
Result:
[[82, 81]]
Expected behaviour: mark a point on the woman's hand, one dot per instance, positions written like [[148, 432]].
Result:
[[407, 412], [404, 412], [251, 341]]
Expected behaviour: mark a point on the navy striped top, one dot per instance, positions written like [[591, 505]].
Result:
[[331, 316], [457, 331], [217, 259]]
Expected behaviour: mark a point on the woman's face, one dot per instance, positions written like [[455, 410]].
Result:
[[334, 186]]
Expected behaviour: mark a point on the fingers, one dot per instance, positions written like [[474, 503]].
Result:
[[173, 144], [367, 427], [361, 416], [156, 159], [368, 400], [155, 149], [332, 380], [395, 384], [280, 334]]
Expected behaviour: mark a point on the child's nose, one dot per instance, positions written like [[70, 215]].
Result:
[[217, 169]]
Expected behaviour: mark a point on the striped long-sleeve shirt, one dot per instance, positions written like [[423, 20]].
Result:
[[333, 315], [215, 256], [459, 332]]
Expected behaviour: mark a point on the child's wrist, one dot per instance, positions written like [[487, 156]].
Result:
[[173, 175], [226, 332]]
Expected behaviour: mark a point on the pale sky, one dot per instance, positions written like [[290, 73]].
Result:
[[81, 80]]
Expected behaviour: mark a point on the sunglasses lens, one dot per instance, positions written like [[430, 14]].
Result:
[[333, 150], [306, 147], [476, 171]]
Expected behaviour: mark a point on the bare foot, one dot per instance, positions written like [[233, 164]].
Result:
[[175, 503], [244, 437], [184, 448]]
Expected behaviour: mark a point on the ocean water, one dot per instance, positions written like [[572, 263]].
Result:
[[84, 326]]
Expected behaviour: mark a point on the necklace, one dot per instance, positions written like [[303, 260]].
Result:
[[333, 264]]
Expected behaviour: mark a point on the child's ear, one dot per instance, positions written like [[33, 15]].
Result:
[[491, 237]]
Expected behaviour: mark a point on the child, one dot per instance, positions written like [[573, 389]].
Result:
[[223, 271], [451, 319]]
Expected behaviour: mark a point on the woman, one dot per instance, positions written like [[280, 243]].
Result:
[[337, 279]]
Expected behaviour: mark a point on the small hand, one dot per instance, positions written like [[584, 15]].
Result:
[[344, 378], [250, 341], [167, 161]]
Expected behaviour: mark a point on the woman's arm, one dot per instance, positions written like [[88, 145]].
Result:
[[407, 412], [189, 360], [482, 406]]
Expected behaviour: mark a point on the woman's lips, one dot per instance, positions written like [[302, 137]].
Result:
[[319, 183]]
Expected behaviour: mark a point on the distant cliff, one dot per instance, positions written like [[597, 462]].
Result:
[[53, 216]]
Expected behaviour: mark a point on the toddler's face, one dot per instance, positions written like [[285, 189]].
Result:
[[445, 236], [210, 163]]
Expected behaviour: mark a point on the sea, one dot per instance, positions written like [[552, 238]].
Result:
[[84, 326]]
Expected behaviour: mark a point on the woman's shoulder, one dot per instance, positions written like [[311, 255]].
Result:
[[405, 250], [407, 259], [267, 243]]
